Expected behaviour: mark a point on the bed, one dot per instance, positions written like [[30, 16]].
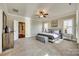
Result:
[[53, 35]]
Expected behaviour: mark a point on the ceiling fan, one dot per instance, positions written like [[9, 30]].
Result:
[[42, 13]]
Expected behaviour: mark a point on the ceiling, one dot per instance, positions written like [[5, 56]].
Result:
[[29, 9]]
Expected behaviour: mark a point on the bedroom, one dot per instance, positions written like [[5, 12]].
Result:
[[66, 25], [42, 20]]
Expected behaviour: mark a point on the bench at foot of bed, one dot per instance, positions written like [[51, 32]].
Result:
[[42, 38]]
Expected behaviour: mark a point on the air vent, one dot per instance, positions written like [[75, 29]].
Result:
[[69, 3], [15, 10]]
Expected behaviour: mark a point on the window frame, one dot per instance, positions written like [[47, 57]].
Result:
[[68, 26]]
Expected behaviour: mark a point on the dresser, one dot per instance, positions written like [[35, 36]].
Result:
[[7, 41]]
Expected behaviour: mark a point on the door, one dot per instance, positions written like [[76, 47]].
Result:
[[21, 29]]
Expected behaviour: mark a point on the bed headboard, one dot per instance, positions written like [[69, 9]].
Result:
[[54, 30]]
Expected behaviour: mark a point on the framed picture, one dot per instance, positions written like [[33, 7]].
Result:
[[54, 23], [4, 20]]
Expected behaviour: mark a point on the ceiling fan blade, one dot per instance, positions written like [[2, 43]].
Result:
[[46, 14]]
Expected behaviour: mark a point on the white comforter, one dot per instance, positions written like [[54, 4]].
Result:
[[52, 34]]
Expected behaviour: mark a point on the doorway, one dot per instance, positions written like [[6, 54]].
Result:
[[21, 30]]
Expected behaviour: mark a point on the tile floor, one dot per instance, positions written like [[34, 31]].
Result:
[[33, 47]]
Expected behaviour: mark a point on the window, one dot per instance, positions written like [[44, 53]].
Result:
[[68, 24], [45, 27]]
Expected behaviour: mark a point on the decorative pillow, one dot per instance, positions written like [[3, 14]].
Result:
[[49, 31]]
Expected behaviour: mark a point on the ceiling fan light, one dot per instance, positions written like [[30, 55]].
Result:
[[41, 15], [44, 10]]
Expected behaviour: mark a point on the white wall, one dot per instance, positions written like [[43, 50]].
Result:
[[15, 29], [36, 27], [31, 27], [77, 25], [0, 31], [17, 19], [27, 27]]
